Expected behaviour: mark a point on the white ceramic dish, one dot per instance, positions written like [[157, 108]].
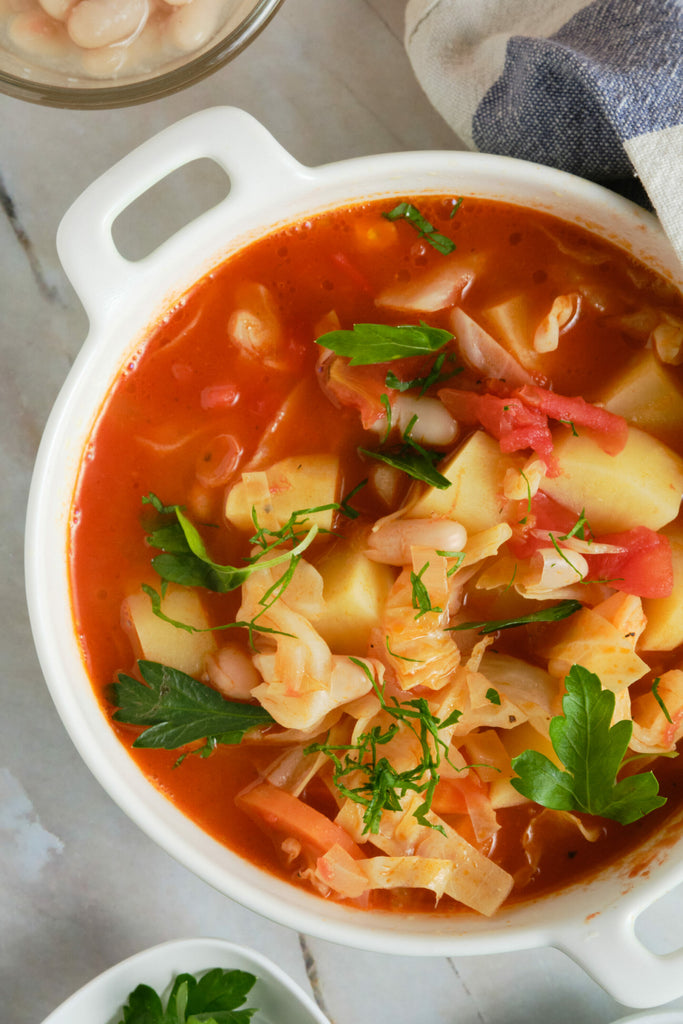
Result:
[[277, 998], [593, 923]]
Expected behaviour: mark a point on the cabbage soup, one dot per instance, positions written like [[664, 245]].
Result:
[[376, 555]]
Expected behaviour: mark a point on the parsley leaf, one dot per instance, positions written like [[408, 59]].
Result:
[[184, 559], [214, 998], [412, 459], [406, 211], [417, 464], [592, 751], [368, 344], [435, 376], [178, 709], [553, 614]]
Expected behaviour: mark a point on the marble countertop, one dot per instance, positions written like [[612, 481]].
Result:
[[329, 84]]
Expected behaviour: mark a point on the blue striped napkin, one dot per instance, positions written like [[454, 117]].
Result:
[[595, 88]]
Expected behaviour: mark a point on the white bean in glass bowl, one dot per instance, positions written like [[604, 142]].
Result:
[[111, 53]]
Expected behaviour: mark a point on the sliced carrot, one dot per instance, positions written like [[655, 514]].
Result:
[[279, 812]]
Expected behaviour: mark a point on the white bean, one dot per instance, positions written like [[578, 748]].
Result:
[[232, 671], [35, 33], [59, 9], [391, 543], [95, 23], [433, 424], [193, 24], [105, 61]]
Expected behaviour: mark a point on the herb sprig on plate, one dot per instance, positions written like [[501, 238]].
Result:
[[216, 997]]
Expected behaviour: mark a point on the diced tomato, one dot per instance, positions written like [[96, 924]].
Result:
[[519, 419], [515, 425], [550, 515], [359, 387], [541, 513], [285, 815], [644, 567], [611, 431]]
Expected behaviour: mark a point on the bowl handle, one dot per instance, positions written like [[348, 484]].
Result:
[[259, 170], [609, 950]]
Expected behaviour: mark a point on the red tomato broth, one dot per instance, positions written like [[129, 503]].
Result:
[[156, 428]]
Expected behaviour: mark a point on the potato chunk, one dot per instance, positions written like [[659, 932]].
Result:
[[641, 486], [153, 639], [513, 324], [646, 394], [664, 629], [298, 482], [475, 498], [355, 590]]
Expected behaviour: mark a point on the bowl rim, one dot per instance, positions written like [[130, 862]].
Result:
[[101, 998], [289, 186], [107, 94]]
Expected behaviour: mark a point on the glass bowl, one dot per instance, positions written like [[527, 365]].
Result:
[[154, 60]]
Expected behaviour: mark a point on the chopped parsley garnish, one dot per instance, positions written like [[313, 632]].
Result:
[[456, 206], [459, 557], [592, 752], [411, 458], [553, 541], [435, 376], [380, 786], [406, 211], [570, 424], [528, 499], [658, 698], [177, 709], [579, 529], [402, 657], [213, 998], [553, 614], [250, 625], [493, 696], [368, 344], [184, 558], [420, 596], [384, 399]]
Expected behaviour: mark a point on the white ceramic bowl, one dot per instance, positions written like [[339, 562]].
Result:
[[593, 923], [277, 998]]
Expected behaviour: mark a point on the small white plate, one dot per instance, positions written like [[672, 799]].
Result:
[[278, 999]]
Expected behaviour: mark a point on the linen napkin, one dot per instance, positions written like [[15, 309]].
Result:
[[594, 88]]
